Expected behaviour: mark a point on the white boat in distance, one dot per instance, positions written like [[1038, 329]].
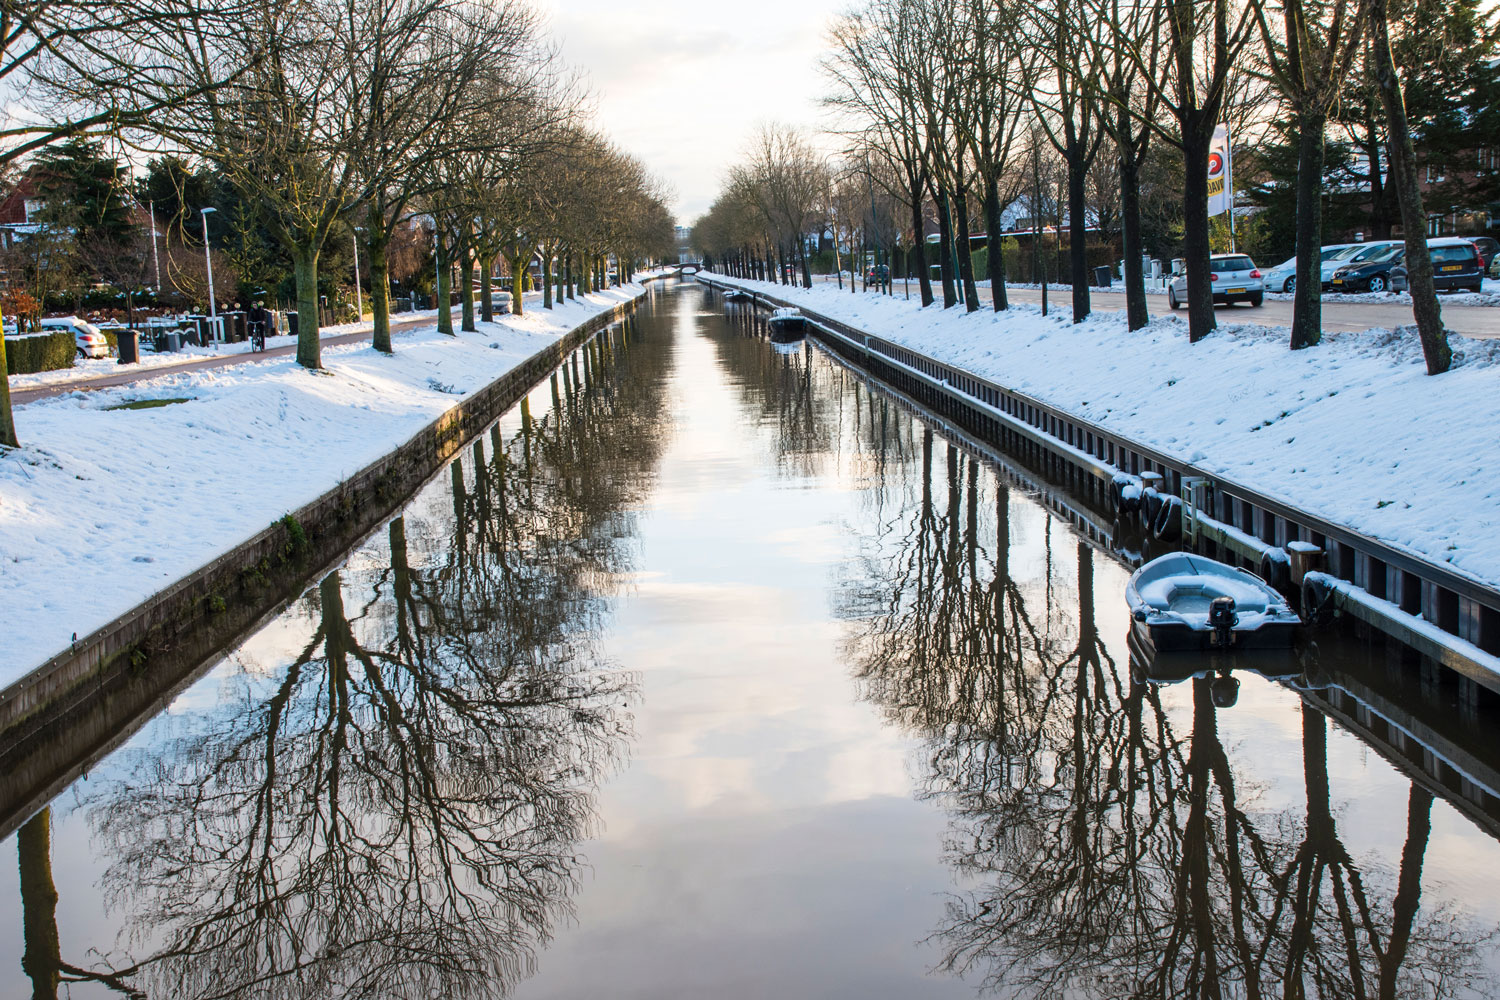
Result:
[[1182, 601]]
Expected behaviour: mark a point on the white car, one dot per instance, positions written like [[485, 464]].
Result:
[[90, 340], [1235, 278]]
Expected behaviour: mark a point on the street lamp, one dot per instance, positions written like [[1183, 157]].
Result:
[[359, 302], [213, 312]]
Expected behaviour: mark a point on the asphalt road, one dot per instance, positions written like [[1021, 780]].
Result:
[[1471, 321], [127, 376]]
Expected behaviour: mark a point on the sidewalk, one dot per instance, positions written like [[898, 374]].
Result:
[[104, 505], [1353, 431], [89, 374]]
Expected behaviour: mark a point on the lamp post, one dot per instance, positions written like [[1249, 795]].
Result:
[[213, 312], [359, 302]]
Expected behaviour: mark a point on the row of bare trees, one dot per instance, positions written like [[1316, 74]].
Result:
[[325, 114], [959, 106]]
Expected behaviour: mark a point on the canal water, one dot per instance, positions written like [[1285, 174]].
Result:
[[714, 669]]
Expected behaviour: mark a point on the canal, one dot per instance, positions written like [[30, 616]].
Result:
[[714, 669]]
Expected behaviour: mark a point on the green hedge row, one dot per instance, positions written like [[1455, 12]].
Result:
[[39, 352]]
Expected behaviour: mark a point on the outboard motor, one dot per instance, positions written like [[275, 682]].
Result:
[[1222, 618]]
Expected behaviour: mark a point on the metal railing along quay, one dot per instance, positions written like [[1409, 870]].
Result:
[[1450, 619]]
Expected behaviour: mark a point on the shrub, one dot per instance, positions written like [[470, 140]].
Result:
[[39, 352]]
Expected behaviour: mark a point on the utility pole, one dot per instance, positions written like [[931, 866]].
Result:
[[359, 302], [155, 259], [213, 311]]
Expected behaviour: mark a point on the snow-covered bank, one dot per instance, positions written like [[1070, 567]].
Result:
[[103, 507], [1353, 431]]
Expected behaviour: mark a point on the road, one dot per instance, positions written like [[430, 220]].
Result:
[[1480, 322], [126, 377], [1472, 321]]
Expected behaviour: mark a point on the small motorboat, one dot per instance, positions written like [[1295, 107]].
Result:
[[787, 322], [1182, 601], [738, 295]]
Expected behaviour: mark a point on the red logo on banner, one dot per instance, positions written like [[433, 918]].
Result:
[[1215, 164]]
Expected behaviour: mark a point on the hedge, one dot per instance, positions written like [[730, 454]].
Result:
[[40, 352]]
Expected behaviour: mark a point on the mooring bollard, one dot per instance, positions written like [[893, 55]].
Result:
[[1305, 557]]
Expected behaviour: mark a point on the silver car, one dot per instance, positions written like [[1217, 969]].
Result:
[[1235, 279]]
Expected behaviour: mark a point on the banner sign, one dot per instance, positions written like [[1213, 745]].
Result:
[[1220, 168]]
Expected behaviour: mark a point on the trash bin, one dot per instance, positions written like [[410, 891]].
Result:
[[1102, 276], [291, 323], [129, 342], [171, 341]]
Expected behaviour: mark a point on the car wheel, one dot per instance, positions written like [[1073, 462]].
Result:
[[1257, 298], [1377, 284], [1290, 286], [1172, 298]]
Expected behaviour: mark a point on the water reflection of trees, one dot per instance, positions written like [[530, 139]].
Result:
[[397, 811], [1110, 839]]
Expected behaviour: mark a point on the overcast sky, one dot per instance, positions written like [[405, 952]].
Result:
[[683, 85]]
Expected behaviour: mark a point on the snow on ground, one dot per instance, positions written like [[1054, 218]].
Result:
[[103, 507], [1352, 430]]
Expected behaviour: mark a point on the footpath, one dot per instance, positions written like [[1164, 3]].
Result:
[[119, 492], [1353, 431]]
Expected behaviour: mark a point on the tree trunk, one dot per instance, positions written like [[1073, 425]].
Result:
[[8, 437], [1078, 256], [305, 263], [1136, 313], [919, 250], [1307, 301], [42, 958], [995, 244], [966, 256], [1195, 248], [486, 289], [517, 283], [466, 274], [1424, 303], [945, 259], [802, 256], [1408, 888], [444, 313], [546, 280], [380, 289]]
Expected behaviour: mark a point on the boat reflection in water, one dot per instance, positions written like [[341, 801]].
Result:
[[387, 800], [1106, 840]]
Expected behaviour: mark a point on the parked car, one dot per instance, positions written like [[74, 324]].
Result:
[[1489, 249], [877, 274], [1283, 277], [89, 339], [1495, 267], [1235, 278], [1358, 253], [1373, 274], [1456, 264]]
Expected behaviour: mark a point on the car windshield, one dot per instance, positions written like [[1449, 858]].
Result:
[[1373, 252], [1342, 253], [1234, 264]]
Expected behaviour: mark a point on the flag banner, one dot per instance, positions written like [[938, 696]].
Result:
[[1220, 199]]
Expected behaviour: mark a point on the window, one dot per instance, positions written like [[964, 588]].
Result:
[[1489, 158], [1453, 254], [1435, 173]]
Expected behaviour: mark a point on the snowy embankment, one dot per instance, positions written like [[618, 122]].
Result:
[[103, 507], [1352, 431]]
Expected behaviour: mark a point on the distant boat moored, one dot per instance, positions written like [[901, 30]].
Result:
[[1182, 601], [788, 321]]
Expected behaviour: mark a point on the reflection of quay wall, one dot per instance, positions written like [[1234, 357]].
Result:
[[1090, 456], [128, 668]]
